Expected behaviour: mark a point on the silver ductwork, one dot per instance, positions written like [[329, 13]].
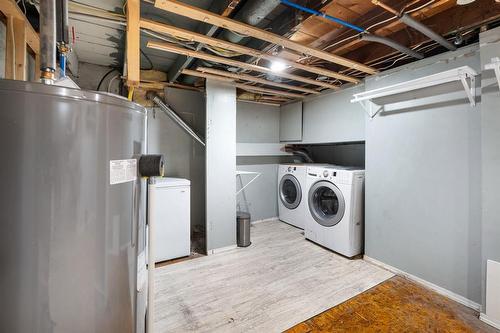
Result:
[[391, 43], [252, 13], [409, 21], [175, 117], [47, 41]]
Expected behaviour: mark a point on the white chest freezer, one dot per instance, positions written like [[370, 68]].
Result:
[[169, 214]]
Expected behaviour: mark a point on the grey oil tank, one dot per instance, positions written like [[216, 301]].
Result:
[[69, 240]]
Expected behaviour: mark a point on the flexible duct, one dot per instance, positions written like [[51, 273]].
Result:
[[391, 43], [47, 40], [252, 13], [173, 115], [409, 21], [300, 152]]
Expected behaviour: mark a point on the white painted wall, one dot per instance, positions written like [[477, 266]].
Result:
[[490, 153], [220, 165]]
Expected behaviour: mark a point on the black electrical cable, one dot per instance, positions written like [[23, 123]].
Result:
[[102, 79], [148, 59]]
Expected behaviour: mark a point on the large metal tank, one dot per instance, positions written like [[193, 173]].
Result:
[[69, 240]]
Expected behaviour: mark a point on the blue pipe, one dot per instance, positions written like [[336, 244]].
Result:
[[320, 14], [62, 64]]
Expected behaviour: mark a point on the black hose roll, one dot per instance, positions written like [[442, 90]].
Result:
[[151, 165]]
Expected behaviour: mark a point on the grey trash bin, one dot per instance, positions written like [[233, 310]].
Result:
[[243, 229]]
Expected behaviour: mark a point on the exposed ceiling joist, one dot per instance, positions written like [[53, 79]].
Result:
[[395, 26], [251, 78], [245, 87], [248, 30], [168, 47], [193, 36], [458, 16]]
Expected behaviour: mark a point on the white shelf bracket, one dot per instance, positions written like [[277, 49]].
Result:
[[470, 90], [368, 106], [495, 65]]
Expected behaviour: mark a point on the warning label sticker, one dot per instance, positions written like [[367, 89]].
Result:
[[122, 171]]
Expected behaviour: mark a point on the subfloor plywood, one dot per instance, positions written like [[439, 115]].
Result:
[[277, 282], [396, 305]]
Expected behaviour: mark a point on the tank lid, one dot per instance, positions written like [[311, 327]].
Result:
[[45, 89]]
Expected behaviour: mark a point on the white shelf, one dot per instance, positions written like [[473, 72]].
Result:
[[260, 149], [457, 74], [495, 65]]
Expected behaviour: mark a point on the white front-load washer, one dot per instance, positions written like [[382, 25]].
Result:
[[335, 208], [292, 199]]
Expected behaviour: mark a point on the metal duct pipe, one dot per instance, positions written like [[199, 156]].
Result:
[[173, 115], [409, 21], [391, 43], [253, 12], [47, 41]]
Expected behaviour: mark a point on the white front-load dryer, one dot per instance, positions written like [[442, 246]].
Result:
[[292, 205], [335, 208]]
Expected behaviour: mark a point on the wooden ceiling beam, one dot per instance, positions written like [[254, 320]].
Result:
[[168, 47], [248, 30], [193, 36], [458, 16], [245, 87], [245, 77], [395, 26]]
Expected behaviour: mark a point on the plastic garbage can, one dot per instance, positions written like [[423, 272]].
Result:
[[243, 229]]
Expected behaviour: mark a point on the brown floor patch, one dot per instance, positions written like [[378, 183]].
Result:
[[396, 305], [173, 261]]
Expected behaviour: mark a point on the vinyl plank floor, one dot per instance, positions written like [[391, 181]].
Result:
[[276, 283]]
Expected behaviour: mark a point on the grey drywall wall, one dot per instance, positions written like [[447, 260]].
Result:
[[423, 179], [220, 164], [490, 144], [184, 157], [257, 123], [291, 122], [331, 117]]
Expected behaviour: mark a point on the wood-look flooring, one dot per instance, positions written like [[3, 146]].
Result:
[[277, 282], [396, 305]]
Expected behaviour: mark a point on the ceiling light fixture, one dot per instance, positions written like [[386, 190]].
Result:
[[464, 2], [278, 66]]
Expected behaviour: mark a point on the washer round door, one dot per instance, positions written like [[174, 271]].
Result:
[[290, 191], [326, 203]]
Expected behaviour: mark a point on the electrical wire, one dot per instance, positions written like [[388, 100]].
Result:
[[111, 81], [24, 5], [148, 59], [104, 76], [379, 23]]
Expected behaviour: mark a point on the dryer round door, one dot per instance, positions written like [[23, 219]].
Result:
[[290, 191], [326, 203]]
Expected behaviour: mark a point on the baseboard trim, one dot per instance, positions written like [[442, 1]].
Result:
[[222, 249], [440, 290], [265, 220], [490, 321]]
